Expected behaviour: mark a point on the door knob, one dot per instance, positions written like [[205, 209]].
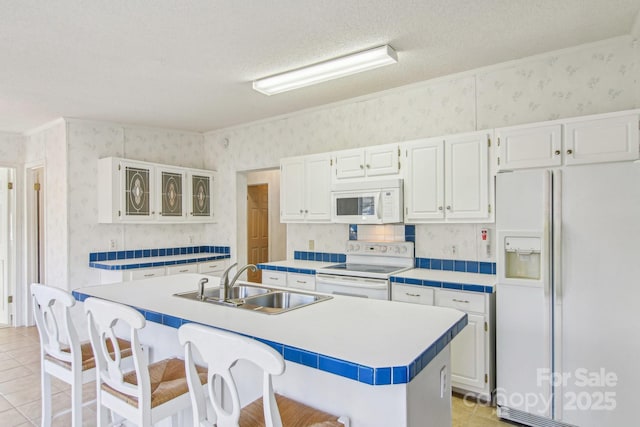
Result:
[[439, 208], [368, 166], [557, 152], [361, 167], [448, 208], [569, 151]]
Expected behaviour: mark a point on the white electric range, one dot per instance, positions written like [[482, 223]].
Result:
[[367, 269]]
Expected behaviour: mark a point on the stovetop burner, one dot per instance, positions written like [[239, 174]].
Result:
[[364, 268]]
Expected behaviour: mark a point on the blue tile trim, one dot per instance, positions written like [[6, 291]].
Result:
[[464, 266], [365, 374], [470, 287], [410, 233], [216, 252]]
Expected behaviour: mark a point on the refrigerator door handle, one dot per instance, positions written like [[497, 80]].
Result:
[[547, 197], [557, 236]]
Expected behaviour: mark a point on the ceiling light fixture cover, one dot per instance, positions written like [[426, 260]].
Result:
[[327, 70]]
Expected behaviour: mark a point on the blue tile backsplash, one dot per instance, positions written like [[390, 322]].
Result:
[[216, 252], [456, 265], [319, 256]]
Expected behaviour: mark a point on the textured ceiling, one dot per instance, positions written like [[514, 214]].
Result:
[[189, 64]]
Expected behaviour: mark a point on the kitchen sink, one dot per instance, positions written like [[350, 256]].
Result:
[[255, 298], [281, 301], [237, 292]]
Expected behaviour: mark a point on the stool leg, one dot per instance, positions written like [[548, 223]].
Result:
[[46, 397], [101, 415], [76, 399]]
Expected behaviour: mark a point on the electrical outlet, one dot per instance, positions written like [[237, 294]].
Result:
[[454, 249], [312, 245], [113, 244], [192, 238]]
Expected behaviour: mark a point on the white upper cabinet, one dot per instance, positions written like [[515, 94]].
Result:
[[530, 146], [603, 138], [305, 184], [466, 176], [381, 160], [447, 179], [292, 189], [423, 182], [606, 139], [132, 191]]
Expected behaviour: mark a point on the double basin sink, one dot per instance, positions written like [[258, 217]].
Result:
[[257, 298]]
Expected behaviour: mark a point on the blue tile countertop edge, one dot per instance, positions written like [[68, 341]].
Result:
[[199, 252], [286, 269], [443, 285], [354, 371]]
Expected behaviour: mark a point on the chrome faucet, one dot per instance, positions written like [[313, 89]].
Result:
[[201, 284], [226, 286]]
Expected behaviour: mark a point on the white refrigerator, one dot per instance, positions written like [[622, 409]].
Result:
[[568, 295]]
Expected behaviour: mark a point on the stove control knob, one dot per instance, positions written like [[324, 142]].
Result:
[[349, 248], [403, 249], [383, 249]]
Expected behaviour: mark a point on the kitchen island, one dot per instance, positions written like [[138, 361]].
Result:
[[380, 363]]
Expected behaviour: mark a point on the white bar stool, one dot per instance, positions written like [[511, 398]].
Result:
[[70, 361], [145, 395], [221, 350]]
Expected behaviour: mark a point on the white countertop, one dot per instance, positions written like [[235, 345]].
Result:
[[372, 333]]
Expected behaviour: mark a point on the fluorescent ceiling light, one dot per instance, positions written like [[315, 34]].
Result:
[[327, 70]]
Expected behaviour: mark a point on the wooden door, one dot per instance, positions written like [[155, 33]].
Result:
[[257, 228]]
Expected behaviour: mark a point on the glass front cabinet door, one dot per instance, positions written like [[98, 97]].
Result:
[[137, 182], [171, 186], [201, 196]]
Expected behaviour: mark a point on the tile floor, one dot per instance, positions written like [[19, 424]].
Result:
[[20, 389]]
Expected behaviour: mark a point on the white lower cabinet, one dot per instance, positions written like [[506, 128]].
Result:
[[274, 278], [413, 294], [301, 281], [473, 349], [182, 268], [213, 268], [305, 282]]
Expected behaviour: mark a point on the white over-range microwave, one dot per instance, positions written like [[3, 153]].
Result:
[[367, 202]]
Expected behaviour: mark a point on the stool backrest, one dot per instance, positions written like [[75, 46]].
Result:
[[102, 317], [53, 320], [220, 350]]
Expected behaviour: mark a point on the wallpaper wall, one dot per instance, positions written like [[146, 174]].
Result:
[[11, 149], [591, 79], [50, 145]]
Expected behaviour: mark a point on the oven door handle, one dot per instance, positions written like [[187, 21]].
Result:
[[352, 281]]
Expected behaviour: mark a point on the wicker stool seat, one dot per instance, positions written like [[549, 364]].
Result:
[[293, 414]]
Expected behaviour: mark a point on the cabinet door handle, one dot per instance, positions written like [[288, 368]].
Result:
[[557, 152], [464, 301], [302, 282], [183, 271], [273, 278], [569, 151], [306, 211], [439, 208], [368, 166], [300, 210], [149, 275], [361, 167], [411, 295], [449, 207]]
